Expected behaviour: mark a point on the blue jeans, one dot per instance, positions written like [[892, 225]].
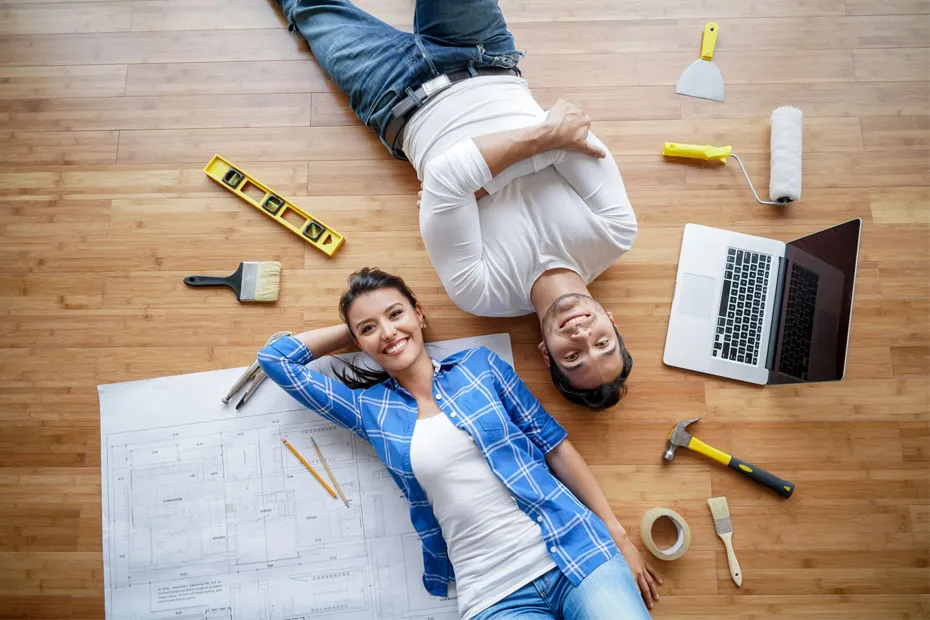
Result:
[[609, 593], [377, 65]]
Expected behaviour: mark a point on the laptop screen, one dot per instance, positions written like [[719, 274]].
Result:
[[816, 306]]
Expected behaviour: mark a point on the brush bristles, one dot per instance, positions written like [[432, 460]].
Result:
[[267, 282], [719, 508]]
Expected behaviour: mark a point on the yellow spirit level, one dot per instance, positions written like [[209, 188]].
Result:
[[313, 231]]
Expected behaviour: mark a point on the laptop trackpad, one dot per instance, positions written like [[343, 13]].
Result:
[[696, 296]]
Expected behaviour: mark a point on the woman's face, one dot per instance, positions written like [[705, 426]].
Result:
[[387, 328]]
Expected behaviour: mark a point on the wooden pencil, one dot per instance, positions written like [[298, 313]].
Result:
[[307, 465], [329, 473]]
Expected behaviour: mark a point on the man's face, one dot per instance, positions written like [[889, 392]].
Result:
[[581, 338]]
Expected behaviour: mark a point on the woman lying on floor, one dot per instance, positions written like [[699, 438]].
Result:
[[503, 504]]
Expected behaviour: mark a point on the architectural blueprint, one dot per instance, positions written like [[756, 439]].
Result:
[[207, 516]]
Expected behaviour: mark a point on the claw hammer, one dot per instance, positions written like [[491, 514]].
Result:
[[680, 438]]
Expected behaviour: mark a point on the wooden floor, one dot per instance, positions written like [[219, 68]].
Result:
[[109, 110]]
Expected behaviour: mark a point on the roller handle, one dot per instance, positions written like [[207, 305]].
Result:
[[709, 42], [782, 487], [704, 152]]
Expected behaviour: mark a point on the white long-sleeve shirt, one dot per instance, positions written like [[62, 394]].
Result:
[[559, 209]]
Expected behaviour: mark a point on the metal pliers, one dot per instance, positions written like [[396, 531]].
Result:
[[253, 375]]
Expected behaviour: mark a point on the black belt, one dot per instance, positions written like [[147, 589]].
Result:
[[403, 110]]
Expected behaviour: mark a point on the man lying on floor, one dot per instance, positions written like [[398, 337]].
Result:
[[520, 209]]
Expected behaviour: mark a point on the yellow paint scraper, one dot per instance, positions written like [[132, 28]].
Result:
[[702, 78]]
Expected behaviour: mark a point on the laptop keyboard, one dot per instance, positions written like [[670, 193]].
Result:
[[742, 304], [799, 322]]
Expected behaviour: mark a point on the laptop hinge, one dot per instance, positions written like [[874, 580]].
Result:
[[776, 313]]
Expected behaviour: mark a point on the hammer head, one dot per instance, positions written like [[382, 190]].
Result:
[[678, 437]]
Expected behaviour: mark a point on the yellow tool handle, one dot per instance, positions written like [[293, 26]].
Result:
[[699, 446], [695, 151], [709, 42]]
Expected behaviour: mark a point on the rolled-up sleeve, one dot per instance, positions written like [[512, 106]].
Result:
[[285, 362], [524, 409]]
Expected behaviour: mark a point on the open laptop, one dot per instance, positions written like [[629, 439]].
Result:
[[763, 311]]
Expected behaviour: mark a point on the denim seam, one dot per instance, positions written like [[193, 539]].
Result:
[[425, 54]]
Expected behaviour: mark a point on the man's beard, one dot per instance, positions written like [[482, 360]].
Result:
[[562, 304]]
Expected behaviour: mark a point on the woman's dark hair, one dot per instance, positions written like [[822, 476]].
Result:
[[601, 397], [360, 283]]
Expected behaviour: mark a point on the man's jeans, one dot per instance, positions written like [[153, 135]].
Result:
[[375, 64], [609, 593]]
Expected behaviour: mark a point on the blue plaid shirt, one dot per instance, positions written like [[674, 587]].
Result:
[[482, 395]]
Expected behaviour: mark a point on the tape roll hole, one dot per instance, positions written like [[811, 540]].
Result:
[[667, 535]]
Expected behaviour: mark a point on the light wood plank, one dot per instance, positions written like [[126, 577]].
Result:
[[377, 176], [616, 104], [839, 486], [911, 360], [895, 133], [813, 33], [100, 253], [24, 218], [664, 68], [152, 47], [205, 15], [542, 10], [728, 208], [888, 7], [37, 82], [905, 279], [860, 99], [902, 205], [745, 135], [813, 573], [182, 112], [595, 37], [863, 400], [826, 170], [823, 607], [892, 65], [54, 18], [330, 109], [85, 147], [143, 328], [46, 291], [266, 144], [920, 522], [106, 182], [223, 78]]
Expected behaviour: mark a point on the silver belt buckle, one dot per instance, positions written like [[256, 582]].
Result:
[[436, 85]]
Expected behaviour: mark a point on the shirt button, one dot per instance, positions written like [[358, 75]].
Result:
[[452, 415], [438, 396], [539, 519], [552, 549]]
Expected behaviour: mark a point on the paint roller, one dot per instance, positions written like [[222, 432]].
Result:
[[785, 175]]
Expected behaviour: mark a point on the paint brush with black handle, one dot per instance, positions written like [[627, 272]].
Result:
[[251, 281]]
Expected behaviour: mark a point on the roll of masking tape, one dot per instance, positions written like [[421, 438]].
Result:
[[684, 534]]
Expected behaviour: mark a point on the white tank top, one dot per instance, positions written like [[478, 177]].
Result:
[[495, 549]]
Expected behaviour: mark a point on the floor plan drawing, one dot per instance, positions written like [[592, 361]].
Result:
[[208, 516]]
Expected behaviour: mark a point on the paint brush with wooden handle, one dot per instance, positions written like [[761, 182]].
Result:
[[724, 526]]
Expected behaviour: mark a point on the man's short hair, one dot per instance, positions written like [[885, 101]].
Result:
[[601, 397]]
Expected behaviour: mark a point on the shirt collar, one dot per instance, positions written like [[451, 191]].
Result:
[[437, 366]]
